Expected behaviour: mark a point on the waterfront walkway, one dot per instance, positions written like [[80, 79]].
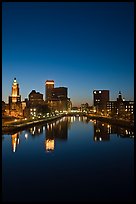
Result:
[[18, 125]]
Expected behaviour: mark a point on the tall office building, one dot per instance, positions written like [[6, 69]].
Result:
[[59, 93], [49, 86], [56, 98], [100, 100]]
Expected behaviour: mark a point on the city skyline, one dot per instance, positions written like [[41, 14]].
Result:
[[82, 46]]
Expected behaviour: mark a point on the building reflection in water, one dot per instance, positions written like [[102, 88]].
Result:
[[26, 135], [36, 131], [102, 131], [49, 145], [15, 141], [57, 130], [79, 118]]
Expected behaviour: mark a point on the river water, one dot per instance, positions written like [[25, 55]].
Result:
[[70, 159]]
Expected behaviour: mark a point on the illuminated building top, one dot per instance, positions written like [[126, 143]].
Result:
[[15, 88], [49, 82]]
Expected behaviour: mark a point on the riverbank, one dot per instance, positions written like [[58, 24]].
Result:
[[13, 126], [17, 126], [113, 121]]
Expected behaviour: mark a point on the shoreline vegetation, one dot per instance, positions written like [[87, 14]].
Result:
[[14, 125]]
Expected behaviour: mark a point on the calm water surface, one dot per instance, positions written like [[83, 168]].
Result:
[[71, 159]]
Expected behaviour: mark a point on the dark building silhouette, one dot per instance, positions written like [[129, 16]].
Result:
[[3, 108], [59, 93], [100, 100]]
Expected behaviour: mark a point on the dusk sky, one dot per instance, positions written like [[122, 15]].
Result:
[[82, 46]]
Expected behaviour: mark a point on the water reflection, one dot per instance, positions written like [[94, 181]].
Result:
[[36, 130], [102, 131], [58, 130], [15, 141], [90, 171], [49, 145]]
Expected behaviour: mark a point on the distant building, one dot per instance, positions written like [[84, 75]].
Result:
[[75, 109], [35, 105], [121, 108], [35, 98], [15, 107], [56, 98], [49, 85], [3, 108], [100, 99], [59, 93], [85, 107], [15, 97]]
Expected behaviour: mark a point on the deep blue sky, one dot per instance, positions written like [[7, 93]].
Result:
[[83, 46]]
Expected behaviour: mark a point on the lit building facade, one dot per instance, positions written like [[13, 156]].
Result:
[[3, 108], [35, 98], [121, 108], [35, 105], [100, 99], [85, 107], [59, 93], [15, 106], [56, 98], [49, 84]]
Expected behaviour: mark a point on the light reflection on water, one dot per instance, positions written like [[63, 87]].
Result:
[[71, 158]]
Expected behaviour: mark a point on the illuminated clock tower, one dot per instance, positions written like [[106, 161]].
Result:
[[15, 92], [15, 99]]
